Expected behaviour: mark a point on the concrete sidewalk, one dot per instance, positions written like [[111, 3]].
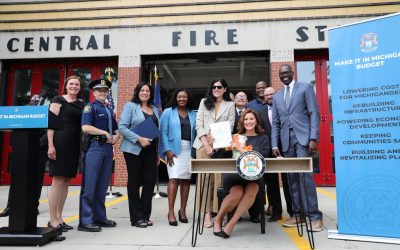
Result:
[[246, 235]]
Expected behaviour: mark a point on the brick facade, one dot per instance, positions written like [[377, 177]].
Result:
[[128, 77]]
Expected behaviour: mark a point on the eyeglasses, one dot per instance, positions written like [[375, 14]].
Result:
[[217, 87], [35, 99]]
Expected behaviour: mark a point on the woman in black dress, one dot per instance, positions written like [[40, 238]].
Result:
[[64, 147], [242, 193]]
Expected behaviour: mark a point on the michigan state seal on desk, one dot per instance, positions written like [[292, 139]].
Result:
[[250, 165]]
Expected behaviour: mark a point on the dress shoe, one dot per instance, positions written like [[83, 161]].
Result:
[[139, 223], [149, 223], [275, 218], [172, 223], [68, 227], [89, 228], [6, 212], [106, 223], [316, 226], [269, 210], [255, 219], [59, 238], [181, 219], [293, 221]]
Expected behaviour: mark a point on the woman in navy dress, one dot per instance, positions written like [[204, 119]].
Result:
[[242, 193]]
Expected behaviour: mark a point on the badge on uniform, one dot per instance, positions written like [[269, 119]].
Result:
[[87, 109], [250, 165]]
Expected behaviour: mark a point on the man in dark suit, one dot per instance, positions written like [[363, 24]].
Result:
[[272, 179], [240, 105], [295, 123]]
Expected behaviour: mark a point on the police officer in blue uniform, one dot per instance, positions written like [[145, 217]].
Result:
[[99, 122]]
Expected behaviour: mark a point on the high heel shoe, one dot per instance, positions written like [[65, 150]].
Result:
[[68, 227], [181, 219], [208, 221], [217, 233], [49, 224], [224, 235], [58, 227], [172, 223]]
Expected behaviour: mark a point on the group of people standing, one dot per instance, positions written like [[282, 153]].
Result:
[[285, 123], [141, 154]]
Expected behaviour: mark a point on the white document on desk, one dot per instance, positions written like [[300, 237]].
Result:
[[221, 131]]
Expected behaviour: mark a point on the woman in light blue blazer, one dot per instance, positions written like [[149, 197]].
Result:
[[140, 153], [177, 136]]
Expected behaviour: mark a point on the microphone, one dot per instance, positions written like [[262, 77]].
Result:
[[40, 101]]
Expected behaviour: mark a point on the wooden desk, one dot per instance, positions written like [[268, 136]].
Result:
[[273, 165]]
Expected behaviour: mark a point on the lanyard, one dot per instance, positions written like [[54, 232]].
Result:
[[109, 121]]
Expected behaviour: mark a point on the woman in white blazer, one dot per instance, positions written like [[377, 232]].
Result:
[[216, 107]]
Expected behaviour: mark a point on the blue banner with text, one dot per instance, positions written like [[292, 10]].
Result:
[[23, 117], [364, 58]]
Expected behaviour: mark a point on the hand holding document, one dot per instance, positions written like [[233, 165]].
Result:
[[221, 132]]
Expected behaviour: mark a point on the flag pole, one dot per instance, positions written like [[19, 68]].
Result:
[[110, 194], [157, 194]]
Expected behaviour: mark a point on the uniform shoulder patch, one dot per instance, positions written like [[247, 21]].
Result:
[[87, 109]]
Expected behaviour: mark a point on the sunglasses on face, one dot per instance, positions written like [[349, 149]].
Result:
[[217, 87], [35, 99]]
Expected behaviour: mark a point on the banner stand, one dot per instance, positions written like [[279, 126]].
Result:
[[22, 229], [366, 119], [333, 234]]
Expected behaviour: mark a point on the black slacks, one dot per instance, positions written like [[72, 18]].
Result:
[[142, 172], [274, 194]]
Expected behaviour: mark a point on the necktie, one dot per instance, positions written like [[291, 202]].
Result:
[[287, 96], [270, 114], [240, 112]]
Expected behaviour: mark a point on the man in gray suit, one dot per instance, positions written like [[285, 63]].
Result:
[[295, 121]]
